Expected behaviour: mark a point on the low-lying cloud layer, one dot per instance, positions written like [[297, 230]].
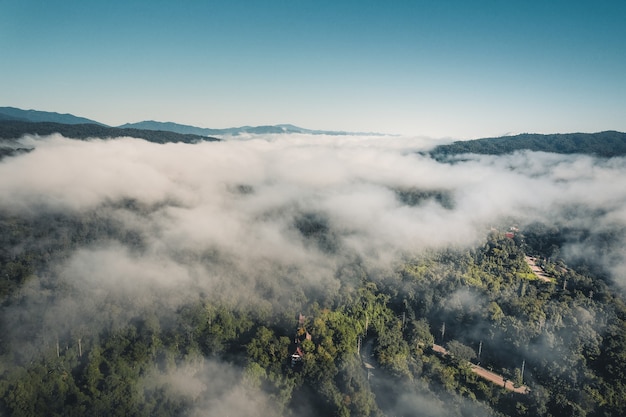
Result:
[[228, 395], [302, 205]]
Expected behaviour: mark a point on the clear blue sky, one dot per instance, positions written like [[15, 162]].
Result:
[[458, 69]]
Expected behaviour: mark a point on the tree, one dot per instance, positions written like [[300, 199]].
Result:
[[460, 352], [419, 334]]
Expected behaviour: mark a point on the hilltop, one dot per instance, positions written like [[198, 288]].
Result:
[[15, 123], [604, 144], [13, 129], [15, 114]]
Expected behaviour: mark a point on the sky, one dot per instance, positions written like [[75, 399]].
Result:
[[442, 69]]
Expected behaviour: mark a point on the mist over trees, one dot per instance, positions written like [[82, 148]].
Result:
[[180, 279]]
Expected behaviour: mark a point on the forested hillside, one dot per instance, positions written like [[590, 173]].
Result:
[[605, 144], [36, 116], [11, 129], [570, 333]]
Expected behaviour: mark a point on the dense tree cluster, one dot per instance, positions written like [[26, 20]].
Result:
[[370, 347]]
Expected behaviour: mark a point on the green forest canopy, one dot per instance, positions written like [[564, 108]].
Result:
[[571, 334]]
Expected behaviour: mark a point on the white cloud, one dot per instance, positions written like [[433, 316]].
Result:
[[241, 201]]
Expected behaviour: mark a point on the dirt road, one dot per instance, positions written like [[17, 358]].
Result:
[[498, 380], [488, 375]]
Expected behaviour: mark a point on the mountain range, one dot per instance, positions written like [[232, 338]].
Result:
[[235, 131], [15, 123], [15, 114], [36, 116]]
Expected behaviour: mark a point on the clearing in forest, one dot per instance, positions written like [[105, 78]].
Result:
[[532, 262]]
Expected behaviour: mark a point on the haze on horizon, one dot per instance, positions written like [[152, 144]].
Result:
[[453, 69]]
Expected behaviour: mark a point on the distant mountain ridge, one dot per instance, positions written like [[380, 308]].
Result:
[[235, 131], [15, 129], [13, 113], [14, 123]]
